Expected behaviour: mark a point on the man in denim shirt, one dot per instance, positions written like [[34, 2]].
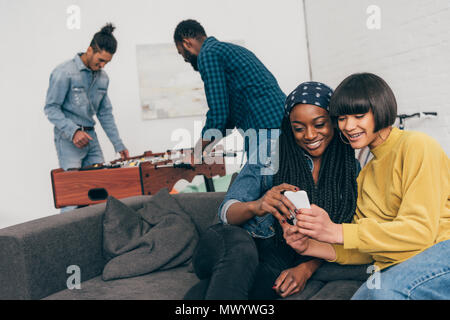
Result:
[[78, 91]]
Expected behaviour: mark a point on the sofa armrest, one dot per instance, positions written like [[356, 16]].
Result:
[[34, 256]]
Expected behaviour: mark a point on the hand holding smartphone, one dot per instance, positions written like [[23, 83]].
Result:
[[299, 199]]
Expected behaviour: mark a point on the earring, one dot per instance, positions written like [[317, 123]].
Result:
[[343, 139]]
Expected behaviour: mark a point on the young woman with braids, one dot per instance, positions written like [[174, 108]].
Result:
[[253, 260]]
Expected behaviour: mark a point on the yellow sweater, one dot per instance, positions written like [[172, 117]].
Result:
[[403, 202]]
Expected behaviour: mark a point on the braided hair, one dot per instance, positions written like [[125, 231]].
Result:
[[336, 189]]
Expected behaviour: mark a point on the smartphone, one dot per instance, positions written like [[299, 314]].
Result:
[[299, 199]]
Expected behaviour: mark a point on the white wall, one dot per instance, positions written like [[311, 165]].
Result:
[[35, 39], [411, 51]]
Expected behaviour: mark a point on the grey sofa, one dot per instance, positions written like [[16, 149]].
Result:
[[35, 257]]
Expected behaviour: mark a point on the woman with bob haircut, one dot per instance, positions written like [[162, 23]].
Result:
[[245, 256], [402, 218]]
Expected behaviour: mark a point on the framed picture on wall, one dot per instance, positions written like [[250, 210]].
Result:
[[168, 86]]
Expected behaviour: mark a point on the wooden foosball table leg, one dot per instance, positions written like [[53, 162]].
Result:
[[209, 184]]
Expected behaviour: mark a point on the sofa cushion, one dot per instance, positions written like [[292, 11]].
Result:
[[333, 281], [159, 285], [174, 283], [330, 271], [337, 290], [158, 236], [311, 288]]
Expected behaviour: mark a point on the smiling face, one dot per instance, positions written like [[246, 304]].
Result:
[[359, 129], [312, 128], [96, 60]]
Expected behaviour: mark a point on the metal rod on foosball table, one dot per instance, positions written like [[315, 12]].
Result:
[[175, 165], [224, 154]]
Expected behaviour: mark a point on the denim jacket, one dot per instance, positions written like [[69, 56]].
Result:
[[251, 185], [75, 95]]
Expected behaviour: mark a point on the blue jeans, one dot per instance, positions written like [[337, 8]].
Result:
[[70, 156], [426, 276]]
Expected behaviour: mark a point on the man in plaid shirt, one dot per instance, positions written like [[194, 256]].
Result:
[[240, 91]]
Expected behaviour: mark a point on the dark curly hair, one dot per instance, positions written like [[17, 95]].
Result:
[[188, 29], [104, 40]]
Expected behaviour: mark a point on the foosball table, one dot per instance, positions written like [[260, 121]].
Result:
[[141, 175]]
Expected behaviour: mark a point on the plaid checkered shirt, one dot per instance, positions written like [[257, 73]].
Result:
[[240, 91]]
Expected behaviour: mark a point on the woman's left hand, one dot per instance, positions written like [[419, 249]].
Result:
[[292, 280], [316, 223]]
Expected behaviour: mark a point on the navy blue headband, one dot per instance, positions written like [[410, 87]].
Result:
[[311, 92]]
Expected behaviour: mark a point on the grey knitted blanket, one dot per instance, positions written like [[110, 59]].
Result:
[[158, 236]]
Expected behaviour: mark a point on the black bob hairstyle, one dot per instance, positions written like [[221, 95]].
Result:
[[104, 40], [361, 92]]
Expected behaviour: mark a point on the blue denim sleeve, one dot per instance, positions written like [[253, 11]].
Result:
[[106, 118], [248, 186], [59, 86]]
